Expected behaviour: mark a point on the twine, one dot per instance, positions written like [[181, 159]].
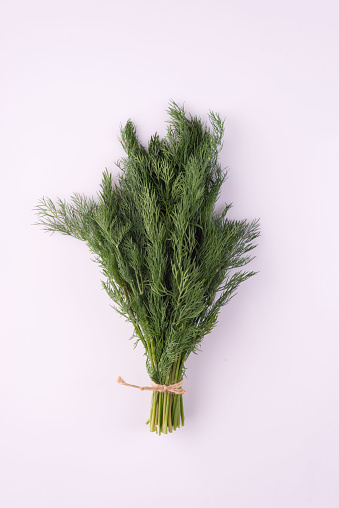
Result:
[[174, 388]]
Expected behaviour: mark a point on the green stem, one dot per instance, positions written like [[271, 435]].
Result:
[[154, 407], [165, 410], [160, 404]]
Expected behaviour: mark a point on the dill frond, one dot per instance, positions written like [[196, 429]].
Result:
[[169, 262]]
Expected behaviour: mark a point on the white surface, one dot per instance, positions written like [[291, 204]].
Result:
[[262, 409]]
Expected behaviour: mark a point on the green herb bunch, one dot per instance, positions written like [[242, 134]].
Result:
[[169, 261]]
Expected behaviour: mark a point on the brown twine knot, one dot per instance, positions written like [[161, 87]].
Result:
[[174, 388]]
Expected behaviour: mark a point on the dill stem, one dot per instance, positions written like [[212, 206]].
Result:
[[176, 400], [177, 413], [165, 409], [169, 416], [182, 411], [153, 410], [160, 405], [156, 411]]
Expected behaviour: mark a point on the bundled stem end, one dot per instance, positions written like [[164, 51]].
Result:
[[167, 412], [167, 409]]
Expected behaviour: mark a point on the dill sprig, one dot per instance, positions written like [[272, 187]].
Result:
[[169, 261]]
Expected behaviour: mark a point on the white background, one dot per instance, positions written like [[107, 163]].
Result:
[[262, 408]]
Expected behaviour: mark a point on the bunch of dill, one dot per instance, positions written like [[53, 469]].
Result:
[[169, 261]]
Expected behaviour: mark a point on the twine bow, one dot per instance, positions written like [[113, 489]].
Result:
[[174, 388]]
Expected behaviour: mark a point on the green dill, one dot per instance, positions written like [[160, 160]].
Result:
[[169, 261]]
